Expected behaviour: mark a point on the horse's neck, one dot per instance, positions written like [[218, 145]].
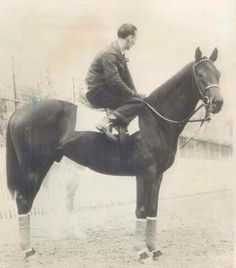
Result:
[[181, 100], [177, 104]]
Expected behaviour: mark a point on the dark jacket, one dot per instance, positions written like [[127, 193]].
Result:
[[109, 70]]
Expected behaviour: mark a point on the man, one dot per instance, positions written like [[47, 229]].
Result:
[[110, 85]]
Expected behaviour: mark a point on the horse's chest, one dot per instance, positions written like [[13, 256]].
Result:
[[161, 155]]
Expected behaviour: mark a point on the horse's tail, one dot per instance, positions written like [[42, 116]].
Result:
[[12, 164]]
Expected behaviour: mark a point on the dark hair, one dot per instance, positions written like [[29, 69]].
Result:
[[125, 30]]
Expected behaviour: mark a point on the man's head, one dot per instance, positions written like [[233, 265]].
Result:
[[127, 35]]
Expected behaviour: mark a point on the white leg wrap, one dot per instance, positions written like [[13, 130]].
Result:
[[139, 239], [24, 232], [151, 234]]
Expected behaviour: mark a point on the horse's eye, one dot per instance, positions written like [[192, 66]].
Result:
[[201, 73]]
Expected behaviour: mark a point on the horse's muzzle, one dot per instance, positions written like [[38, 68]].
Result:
[[216, 105]]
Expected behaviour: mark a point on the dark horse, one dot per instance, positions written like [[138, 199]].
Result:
[[39, 134]]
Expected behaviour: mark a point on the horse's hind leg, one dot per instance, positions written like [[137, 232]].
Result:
[[24, 234], [24, 200]]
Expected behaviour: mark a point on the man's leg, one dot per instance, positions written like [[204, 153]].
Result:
[[127, 112], [124, 109], [120, 118]]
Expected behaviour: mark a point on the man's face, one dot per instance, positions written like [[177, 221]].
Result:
[[130, 41]]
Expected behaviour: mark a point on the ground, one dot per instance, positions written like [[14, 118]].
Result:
[[193, 231]]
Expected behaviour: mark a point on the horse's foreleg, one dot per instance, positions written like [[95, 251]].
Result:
[[151, 228], [141, 214]]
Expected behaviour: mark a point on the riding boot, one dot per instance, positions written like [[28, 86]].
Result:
[[106, 125], [24, 235]]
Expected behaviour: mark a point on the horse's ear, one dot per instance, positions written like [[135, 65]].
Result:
[[198, 54], [214, 55]]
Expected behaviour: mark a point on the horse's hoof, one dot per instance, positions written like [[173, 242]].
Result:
[[143, 256], [156, 254], [28, 253]]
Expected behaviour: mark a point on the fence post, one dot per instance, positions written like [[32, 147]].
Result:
[[14, 82]]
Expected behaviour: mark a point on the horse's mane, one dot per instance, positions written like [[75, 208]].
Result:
[[168, 87]]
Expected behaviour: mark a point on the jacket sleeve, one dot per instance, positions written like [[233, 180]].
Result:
[[112, 75]]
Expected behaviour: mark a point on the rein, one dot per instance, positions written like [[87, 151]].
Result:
[[203, 120], [204, 98], [205, 104], [186, 120]]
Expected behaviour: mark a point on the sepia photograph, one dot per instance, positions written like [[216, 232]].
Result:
[[117, 125]]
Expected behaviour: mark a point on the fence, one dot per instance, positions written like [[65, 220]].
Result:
[[198, 148]]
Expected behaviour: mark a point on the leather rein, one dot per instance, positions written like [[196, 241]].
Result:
[[204, 98]]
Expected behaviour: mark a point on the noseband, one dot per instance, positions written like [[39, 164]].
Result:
[[201, 90]]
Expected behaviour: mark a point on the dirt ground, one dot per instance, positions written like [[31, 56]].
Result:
[[193, 231]]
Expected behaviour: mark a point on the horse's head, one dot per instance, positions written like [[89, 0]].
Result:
[[207, 80]]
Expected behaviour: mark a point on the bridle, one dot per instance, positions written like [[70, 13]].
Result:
[[202, 91], [205, 99], [205, 103]]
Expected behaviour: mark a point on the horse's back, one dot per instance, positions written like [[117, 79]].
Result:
[[28, 113]]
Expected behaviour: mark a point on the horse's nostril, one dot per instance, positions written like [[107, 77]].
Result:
[[217, 105], [218, 102]]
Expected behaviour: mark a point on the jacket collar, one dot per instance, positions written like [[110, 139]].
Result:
[[122, 51], [118, 49]]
